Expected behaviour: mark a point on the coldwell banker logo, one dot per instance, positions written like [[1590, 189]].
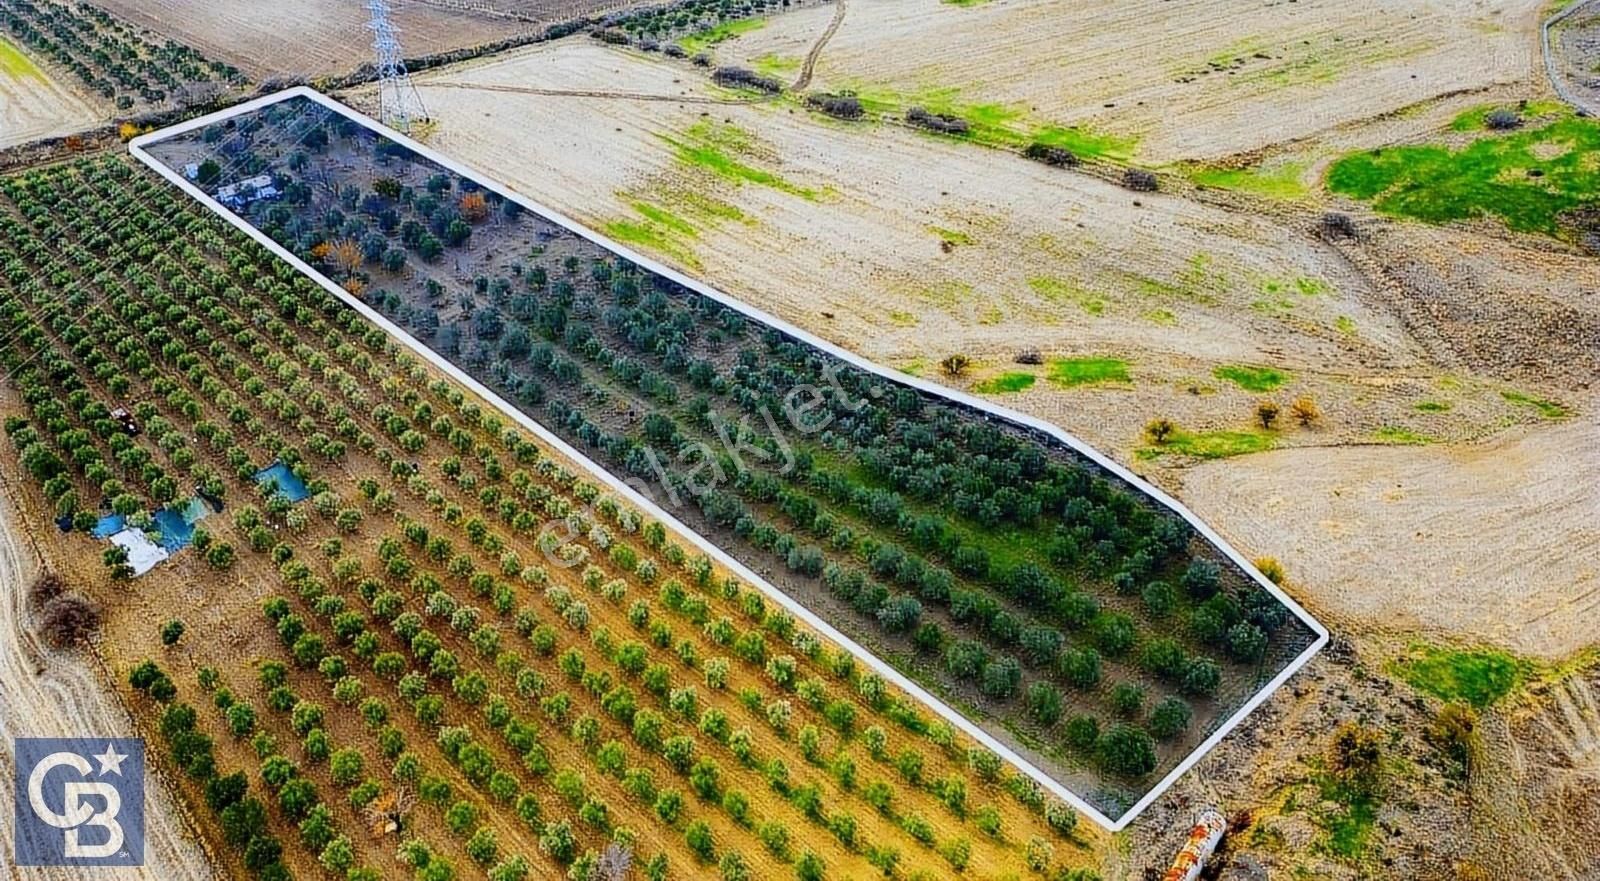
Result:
[[80, 802]]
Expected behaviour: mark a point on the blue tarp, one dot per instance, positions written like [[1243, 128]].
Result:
[[289, 486], [109, 525], [175, 531], [177, 523]]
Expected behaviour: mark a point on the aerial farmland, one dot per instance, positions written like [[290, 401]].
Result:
[[990, 439]]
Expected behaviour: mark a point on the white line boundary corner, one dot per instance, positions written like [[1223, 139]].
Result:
[[137, 147]]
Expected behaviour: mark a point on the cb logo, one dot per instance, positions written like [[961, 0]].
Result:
[[79, 802]]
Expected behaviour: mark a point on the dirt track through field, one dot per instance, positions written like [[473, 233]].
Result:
[[51, 694], [583, 93], [810, 65]]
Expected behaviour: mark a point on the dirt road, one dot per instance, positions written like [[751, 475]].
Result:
[[67, 699]]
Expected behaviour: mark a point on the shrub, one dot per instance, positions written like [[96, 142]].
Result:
[[744, 78], [1140, 180], [1502, 119], [1126, 699], [1049, 155], [1127, 751], [838, 106], [1170, 718], [698, 838], [943, 123], [1247, 642]]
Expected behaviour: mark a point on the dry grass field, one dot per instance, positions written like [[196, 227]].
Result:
[[1172, 80], [319, 37], [34, 104], [908, 248]]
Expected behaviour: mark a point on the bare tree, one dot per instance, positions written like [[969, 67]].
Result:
[[68, 619], [614, 863]]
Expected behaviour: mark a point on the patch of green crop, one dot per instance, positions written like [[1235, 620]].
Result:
[[652, 235], [964, 3], [1431, 406], [1282, 181], [902, 318], [1071, 372], [1478, 676], [659, 215], [1251, 378], [1212, 444], [1527, 179], [16, 65], [951, 236], [946, 293], [1058, 290], [1345, 325], [717, 149], [1163, 317], [699, 42], [1547, 409], [1399, 435], [1004, 383]]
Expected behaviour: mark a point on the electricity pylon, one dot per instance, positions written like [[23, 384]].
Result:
[[400, 105]]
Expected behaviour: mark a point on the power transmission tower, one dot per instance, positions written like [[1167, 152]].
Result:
[[401, 106]]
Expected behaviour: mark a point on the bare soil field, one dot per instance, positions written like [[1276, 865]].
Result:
[[318, 37], [907, 248], [34, 104], [1177, 79], [1421, 517]]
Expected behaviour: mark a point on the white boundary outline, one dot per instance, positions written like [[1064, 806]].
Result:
[[137, 148]]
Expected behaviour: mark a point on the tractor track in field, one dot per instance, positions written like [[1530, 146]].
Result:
[[588, 93], [810, 65]]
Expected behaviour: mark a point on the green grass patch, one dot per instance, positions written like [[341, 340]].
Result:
[[1478, 676], [1345, 325], [902, 318], [1527, 178], [1348, 832], [963, 3], [772, 64], [1474, 120], [1212, 444], [1251, 378], [1547, 409], [1071, 372], [991, 124], [16, 65], [699, 42], [1399, 435], [1282, 181], [1162, 317], [1004, 383], [1086, 143], [1431, 406]]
